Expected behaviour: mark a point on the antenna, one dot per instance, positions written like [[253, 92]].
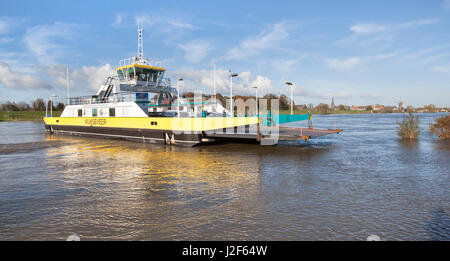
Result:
[[68, 85], [140, 41], [215, 95]]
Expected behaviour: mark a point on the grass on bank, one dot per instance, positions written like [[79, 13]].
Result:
[[441, 127], [317, 112], [25, 115]]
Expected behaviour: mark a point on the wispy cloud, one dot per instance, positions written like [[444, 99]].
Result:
[[441, 68], [374, 33], [118, 20], [4, 40], [446, 5], [164, 22], [266, 39], [353, 62], [373, 28], [343, 64], [196, 50], [9, 23], [45, 42]]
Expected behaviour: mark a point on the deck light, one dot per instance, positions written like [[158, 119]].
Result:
[[292, 101], [256, 96], [178, 90]]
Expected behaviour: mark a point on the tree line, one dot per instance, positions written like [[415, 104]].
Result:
[[36, 105]]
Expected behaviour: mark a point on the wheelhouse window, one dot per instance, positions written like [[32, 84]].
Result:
[[149, 75], [121, 75], [112, 112], [131, 73]]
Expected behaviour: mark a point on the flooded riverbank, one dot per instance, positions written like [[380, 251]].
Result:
[[341, 187]]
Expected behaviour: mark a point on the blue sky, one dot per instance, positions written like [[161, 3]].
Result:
[[358, 52]]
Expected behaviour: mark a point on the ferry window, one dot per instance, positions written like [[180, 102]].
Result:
[[80, 113], [120, 73], [112, 112], [155, 77], [94, 112], [160, 75], [143, 77], [131, 73]]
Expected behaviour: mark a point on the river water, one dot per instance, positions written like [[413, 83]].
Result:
[[361, 182]]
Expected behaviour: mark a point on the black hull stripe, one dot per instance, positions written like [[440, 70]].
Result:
[[134, 134]]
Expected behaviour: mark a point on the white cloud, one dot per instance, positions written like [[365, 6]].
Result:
[[45, 41], [196, 50], [194, 79], [372, 28], [20, 81], [285, 65], [314, 92], [441, 69], [9, 23], [343, 64], [267, 39], [181, 24], [118, 20], [361, 29], [93, 76], [352, 62], [86, 78]]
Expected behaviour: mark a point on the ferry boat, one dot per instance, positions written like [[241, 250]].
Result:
[[138, 103]]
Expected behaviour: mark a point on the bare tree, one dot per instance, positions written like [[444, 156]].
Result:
[[23, 106], [38, 105]]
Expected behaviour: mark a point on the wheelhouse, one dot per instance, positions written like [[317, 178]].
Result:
[[140, 74]]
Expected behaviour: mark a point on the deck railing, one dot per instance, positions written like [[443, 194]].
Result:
[[116, 97]]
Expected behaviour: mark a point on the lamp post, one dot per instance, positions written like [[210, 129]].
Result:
[[256, 88], [178, 90], [215, 101], [51, 104], [292, 101], [231, 90]]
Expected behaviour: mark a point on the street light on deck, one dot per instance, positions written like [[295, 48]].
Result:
[[256, 96], [292, 101], [178, 98], [231, 90], [51, 105]]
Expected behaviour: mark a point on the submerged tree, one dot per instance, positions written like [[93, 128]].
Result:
[[408, 128], [441, 127]]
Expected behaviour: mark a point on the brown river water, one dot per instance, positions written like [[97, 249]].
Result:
[[364, 181]]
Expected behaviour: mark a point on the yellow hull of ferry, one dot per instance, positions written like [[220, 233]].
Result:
[[154, 123], [179, 131]]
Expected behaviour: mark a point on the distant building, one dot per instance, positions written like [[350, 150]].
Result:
[[301, 107], [332, 104], [377, 107]]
